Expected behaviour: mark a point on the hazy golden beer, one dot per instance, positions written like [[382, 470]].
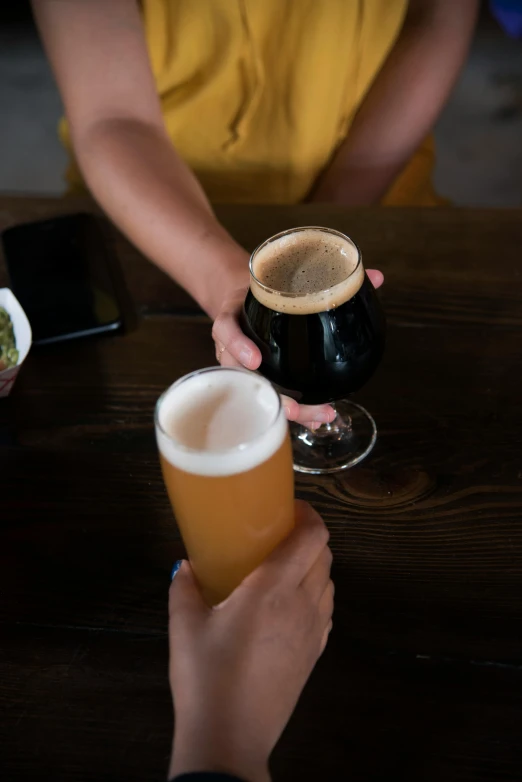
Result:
[[227, 464]]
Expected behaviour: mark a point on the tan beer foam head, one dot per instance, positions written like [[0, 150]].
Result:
[[307, 271], [219, 422]]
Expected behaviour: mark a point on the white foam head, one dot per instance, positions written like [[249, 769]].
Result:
[[219, 421], [306, 270]]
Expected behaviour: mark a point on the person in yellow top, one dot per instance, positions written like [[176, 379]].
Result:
[[173, 104]]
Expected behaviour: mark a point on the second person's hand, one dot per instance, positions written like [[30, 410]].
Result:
[[237, 670], [234, 349]]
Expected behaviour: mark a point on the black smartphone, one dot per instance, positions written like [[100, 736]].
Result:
[[64, 276]]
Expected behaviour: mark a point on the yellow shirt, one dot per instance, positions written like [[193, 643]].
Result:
[[258, 94]]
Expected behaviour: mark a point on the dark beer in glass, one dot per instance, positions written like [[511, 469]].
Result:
[[317, 320]]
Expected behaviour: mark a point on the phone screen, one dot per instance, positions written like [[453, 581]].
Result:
[[60, 272]]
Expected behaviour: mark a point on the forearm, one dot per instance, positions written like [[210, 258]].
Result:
[[138, 178], [403, 103]]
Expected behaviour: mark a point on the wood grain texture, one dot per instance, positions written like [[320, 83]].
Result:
[[423, 677]]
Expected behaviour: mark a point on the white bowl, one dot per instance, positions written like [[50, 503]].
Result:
[[23, 336]]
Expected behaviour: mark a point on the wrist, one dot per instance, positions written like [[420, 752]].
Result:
[[218, 267], [204, 752], [347, 188], [358, 184], [227, 273]]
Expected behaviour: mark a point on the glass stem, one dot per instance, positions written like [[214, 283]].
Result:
[[337, 426]]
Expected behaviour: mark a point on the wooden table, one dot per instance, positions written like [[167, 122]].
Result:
[[422, 678]]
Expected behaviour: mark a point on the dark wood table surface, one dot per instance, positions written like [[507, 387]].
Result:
[[422, 678]]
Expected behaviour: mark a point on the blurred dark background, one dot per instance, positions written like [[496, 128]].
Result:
[[479, 136]]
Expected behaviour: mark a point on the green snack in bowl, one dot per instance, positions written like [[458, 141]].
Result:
[[8, 351]]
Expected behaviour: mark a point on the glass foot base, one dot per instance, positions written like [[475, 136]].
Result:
[[336, 446]]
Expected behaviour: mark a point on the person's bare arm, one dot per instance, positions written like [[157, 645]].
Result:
[[98, 53], [403, 102], [237, 670]]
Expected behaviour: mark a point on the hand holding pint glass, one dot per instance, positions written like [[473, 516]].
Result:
[[226, 459], [316, 319]]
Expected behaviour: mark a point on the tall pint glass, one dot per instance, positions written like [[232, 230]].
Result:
[[227, 464]]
